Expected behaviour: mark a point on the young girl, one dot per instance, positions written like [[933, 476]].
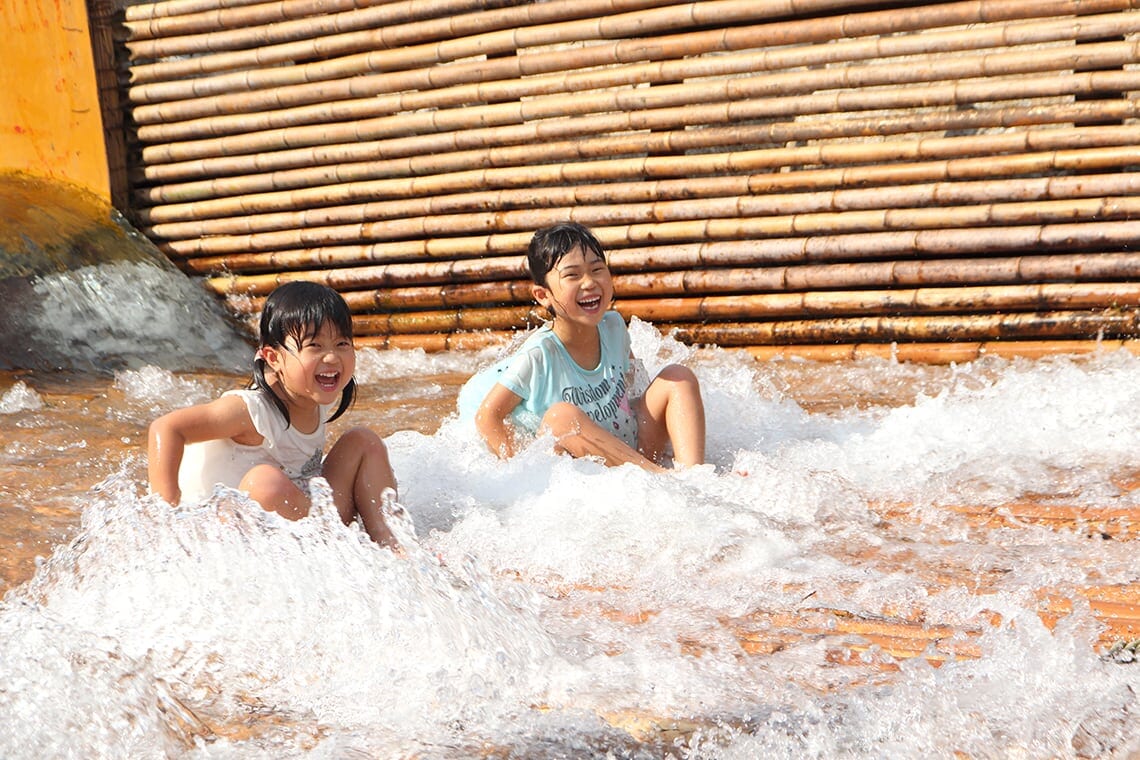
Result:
[[573, 378], [268, 439]]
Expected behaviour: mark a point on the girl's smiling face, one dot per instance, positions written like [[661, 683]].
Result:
[[579, 288], [314, 370]]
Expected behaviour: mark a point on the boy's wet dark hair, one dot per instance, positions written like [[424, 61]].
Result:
[[550, 244], [299, 310]]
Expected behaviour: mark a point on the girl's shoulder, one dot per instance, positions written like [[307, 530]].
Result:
[[539, 343], [263, 413], [253, 399], [537, 337], [613, 320], [613, 327]]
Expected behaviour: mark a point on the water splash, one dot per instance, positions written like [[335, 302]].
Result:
[[114, 316], [81, 289], [20, 398], [551, 607]]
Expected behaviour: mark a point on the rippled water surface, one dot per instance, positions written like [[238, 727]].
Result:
[[553, 608]]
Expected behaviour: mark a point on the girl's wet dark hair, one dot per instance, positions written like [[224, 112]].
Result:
[[299, 310], [550, 244]]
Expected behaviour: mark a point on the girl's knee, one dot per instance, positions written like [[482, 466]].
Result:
[[679, 374], [363, 441], [264, 478], [562, 418], [270, 487]]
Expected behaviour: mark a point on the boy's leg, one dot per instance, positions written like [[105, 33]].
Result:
[[358, 470], [672, 411], [578, 435]]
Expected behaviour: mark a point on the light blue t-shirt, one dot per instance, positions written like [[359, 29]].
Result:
[[541, 372]]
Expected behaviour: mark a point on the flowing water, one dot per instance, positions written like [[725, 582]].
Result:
[[553, 608]]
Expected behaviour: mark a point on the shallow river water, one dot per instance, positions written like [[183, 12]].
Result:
[[765, 605]]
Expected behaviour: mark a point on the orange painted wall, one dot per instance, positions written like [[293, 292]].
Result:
[[50, 124]]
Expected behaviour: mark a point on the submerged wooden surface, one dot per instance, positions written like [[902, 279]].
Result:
[[872, 641]]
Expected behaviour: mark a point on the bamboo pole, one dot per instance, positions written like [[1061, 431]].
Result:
[[941, 353], [700, 221], [492, 318], [719, 101], [603, 24], [435, 342], [956, 300], [430, 297], [275, 23], [763, 161], [466, 281], [458, 76], [1014, 311], [355, 278], [766, 40], [428, 158], [894, 162], [443, 285], [1098, 267], [370, 30], [478, 273], [1033, 239], [954, 328], [924, 353], [714, 197], [894, 635], [169, 8], [1035, 509], [718, 13], [767, 253], [774, 81], [437, 249], [1063, 516]]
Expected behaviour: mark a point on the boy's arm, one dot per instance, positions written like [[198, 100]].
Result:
[[491, 420], [226, 417]]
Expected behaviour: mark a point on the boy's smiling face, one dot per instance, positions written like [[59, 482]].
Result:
[[579, 288]]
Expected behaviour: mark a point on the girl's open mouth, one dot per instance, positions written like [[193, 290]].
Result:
[[591, 304], [328, 380]]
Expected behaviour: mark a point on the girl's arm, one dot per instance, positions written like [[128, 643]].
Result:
[[226, 417], [491, 420]]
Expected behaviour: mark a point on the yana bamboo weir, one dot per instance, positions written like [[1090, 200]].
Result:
[[933, 180]]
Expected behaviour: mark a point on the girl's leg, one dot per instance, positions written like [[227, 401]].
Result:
[[358, 470], [272, 489], [578, 435], [671, 411]]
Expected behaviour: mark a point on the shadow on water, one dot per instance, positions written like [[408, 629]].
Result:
[[82, 290]]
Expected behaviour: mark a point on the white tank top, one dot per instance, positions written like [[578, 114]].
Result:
[[208, 463]]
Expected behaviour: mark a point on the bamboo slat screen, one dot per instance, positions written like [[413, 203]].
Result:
[[784, 175]]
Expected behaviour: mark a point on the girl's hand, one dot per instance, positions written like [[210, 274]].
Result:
[[491, 420]]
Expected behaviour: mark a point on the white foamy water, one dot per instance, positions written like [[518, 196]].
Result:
[[115, 315], [553, 608]]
